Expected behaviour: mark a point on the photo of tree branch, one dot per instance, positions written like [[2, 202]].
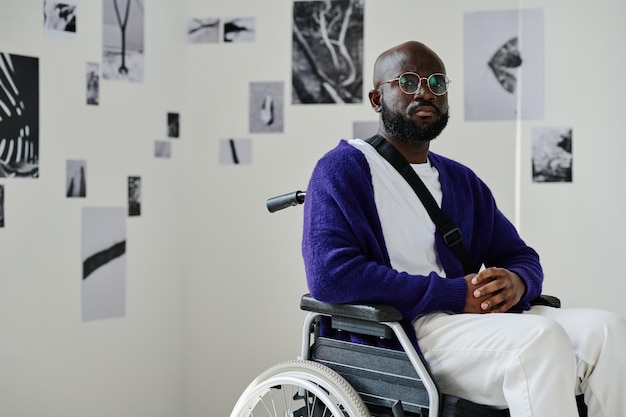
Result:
[[327, 54], [203, 30]]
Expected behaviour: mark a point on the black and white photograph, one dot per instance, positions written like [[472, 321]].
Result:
[[104, 263], [162, 149], [504, 65], [552, 155], [134, 196], [173, 125], [267, 107], [203, 30], [19, 116], [76, 178], [239, 29], [1, 205], [364, 129], [235, 151], [92, 72], [59, 18], [327, 52], [123, 40]]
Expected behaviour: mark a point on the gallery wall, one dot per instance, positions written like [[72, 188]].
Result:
[[212, 279]]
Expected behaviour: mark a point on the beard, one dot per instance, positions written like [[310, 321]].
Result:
[[398, 126]]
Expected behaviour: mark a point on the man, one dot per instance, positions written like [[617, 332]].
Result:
[[368, 238]]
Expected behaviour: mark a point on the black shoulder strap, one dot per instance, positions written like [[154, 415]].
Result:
[[451, 234]]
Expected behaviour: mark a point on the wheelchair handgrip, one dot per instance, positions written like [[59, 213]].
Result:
[[286, 200]]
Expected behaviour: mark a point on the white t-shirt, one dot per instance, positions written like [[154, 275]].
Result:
[[407, 228]]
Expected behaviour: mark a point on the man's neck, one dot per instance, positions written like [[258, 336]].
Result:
[[414, 153]]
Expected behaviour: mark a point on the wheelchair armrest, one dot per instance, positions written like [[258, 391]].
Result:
[[382, 312], [546, 300], [367, 312]]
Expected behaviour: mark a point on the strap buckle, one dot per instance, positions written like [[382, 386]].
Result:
[[453, 237]]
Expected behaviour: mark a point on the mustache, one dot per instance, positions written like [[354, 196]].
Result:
[[413, 107]]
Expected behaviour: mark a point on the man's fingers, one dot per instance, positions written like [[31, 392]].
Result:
[[485, 275], [501, 308], [491, 287], [495, 304]]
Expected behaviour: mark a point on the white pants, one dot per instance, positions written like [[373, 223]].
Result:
[[533, 363]]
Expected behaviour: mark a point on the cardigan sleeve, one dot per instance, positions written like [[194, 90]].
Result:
[[343, 247]]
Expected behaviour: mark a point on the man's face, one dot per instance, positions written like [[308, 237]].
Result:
[[421, 115], [398, 125]]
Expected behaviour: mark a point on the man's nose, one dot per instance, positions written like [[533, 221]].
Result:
[[423, 91]]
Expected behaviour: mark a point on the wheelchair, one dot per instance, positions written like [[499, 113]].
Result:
[[333, 377]]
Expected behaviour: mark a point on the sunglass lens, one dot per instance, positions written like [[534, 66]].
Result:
[[409, 83], [438, 83]]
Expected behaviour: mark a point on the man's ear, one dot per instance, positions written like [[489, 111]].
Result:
[[376, 100]]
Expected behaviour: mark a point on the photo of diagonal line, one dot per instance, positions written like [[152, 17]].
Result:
[[233, 151], [98, 259], [103, 283]]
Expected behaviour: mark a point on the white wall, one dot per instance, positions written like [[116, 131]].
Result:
[[213, 279], [578, 227]]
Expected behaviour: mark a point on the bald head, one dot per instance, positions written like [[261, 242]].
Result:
[[408, 56]]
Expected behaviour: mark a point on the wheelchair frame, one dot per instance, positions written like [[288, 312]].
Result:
[[387, 382]]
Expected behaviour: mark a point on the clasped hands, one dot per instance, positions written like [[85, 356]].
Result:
[[493, 290]]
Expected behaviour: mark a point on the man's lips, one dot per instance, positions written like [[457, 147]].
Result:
[[425, 110]]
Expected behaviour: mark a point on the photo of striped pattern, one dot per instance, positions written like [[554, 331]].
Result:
[[19, 116]]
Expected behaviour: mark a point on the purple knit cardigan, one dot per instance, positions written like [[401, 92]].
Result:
[[344, 250]]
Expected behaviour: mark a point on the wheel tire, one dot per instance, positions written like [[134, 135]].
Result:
[[279, 390]]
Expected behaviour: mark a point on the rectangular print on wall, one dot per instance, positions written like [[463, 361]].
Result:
[[267, 105], [552, 154], [134, 196], [123, 40], [173, 125], [239, 29], [327, 53], [203, 30], [235, 151], [1, 205], [92, 72], [19, 116], [59, 18], [363, 129], [504, 65], [104, 263], [162, 149], [75, 178]]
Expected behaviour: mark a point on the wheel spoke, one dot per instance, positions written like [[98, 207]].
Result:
[[262, 401], [274, 405]]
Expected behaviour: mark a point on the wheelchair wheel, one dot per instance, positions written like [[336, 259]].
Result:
[[300, 389]]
